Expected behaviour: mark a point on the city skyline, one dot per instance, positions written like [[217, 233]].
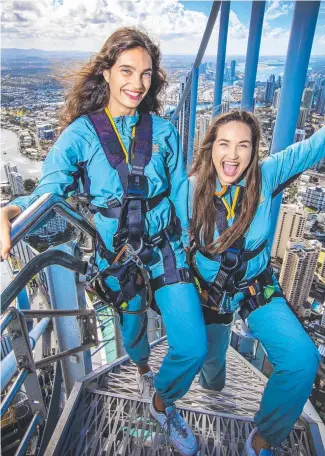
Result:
[[76, 25]]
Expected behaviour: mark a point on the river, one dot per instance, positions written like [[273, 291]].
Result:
[[10, 153]]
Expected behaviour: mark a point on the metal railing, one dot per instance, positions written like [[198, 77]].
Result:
[[13, 320]]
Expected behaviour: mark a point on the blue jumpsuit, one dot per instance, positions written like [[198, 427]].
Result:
[[290, 350], [179, 303]]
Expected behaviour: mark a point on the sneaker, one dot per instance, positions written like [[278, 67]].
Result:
[[145, 384], [178, 431], [249, 450]]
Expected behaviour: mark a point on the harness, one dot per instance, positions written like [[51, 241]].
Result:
[[233, 265], [132, 246]]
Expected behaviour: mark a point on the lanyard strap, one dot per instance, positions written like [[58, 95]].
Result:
[[231, 210], [109, 115]]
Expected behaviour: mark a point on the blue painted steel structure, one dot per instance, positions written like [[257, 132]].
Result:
[[221, 57], [9, 363], [295, 71], [253, 49], [191, 134]]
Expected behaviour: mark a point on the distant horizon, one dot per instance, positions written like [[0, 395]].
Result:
[[166, 54]]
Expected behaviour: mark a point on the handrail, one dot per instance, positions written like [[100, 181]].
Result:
[[37, 211], [50, 257]]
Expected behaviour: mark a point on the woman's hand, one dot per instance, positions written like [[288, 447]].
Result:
[[7, 214]]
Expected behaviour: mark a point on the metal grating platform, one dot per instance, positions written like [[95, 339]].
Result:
[[241, 395], [106, 417]]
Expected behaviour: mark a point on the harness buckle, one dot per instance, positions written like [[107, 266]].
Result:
[[120, 238], [136, 188]]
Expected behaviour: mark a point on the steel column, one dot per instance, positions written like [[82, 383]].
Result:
[[221, 57], [191, 133], [295, 71], [253, 49]]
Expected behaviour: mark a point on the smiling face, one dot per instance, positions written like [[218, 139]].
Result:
[[232, 151], [129, 81]]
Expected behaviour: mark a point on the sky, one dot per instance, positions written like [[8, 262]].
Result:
[[178, 26]]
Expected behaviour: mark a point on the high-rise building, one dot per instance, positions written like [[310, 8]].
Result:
[[315, 198], [276, 98], [279, 82], [15, 179], [203, 123], [224, 107], [270, 88], [307, 99], [183, 123], [233, 70], [297, 272], [291, 224], [303, 112], [320, 106], [299, 135]]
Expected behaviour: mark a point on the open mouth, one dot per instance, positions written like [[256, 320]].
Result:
[[133, 95], [230, 168]]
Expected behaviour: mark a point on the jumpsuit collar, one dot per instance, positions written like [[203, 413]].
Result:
[[241, 183], [127, 122]]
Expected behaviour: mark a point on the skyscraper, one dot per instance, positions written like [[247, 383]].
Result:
[[315, 198], [224, 107], [15, 179], [320, 106], [307, 99], [276, 98], [183, 122], [299, 135], [270, 87], [302, 118], [203, 123], [233, 70], [291, 224], [297, 272]]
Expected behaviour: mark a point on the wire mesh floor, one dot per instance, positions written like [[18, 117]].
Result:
[[111, 419]]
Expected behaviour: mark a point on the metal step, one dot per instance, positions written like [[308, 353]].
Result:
[[108, 418]]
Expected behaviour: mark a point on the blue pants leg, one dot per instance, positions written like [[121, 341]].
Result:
[[295, 360], [186, 334], [213, 372], [134, 332]]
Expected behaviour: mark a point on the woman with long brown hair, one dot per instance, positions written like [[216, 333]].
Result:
[[128, 160], [231, 195]]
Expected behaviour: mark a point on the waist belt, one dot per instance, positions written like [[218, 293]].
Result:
[[114, 208]]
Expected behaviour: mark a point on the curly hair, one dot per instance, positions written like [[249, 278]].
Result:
[[90, 91]]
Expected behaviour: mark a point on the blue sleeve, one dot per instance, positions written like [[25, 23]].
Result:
[[178, 182], [60, 173], [280, 169]]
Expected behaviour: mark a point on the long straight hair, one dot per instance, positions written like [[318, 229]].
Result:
[[205, 175], [90, 91]]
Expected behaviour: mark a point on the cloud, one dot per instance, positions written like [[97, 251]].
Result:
[[276, 9]]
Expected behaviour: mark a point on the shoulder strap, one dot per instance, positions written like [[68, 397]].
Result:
[[113, 149]]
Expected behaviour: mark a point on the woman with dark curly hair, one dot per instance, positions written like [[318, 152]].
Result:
[[130, 164]]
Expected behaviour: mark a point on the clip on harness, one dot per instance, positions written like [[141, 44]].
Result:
[[233, 266], [132, 247]]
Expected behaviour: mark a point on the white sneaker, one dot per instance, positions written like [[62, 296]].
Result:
[[180, 434], [249, 450], [145, 384]]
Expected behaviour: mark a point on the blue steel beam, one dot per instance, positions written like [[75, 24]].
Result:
[[205, 40], [221, 57], [295, 71], [9, 363], [191, 133], [253, 50]]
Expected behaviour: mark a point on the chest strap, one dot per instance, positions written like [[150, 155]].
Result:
[[130, 167]]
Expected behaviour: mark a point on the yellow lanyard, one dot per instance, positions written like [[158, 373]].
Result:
[[109, 115], [231, 210]]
